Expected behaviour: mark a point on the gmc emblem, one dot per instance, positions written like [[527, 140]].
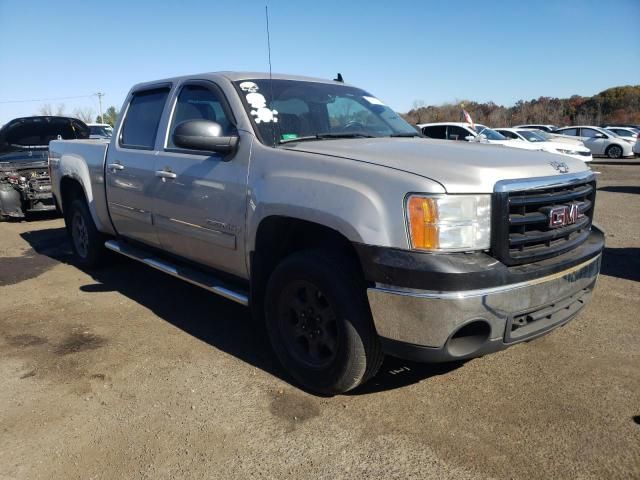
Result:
[[565, 215]]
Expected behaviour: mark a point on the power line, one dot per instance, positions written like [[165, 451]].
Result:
[[46, 99]]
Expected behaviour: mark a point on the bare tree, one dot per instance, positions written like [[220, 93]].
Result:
[[60, 109], [45, 109], [85, 114]]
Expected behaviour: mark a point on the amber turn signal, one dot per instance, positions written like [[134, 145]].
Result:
[[423, 219]]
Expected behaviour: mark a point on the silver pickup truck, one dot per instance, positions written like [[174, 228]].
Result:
[[349, 234]]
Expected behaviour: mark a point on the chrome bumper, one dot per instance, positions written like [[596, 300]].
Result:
[[430, 318]]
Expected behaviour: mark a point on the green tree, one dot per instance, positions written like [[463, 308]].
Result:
[[110, 116]]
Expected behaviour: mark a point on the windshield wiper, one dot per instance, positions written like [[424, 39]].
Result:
[[407, 135], [325, 136]]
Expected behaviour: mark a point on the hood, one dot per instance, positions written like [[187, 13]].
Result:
[[460, 167]]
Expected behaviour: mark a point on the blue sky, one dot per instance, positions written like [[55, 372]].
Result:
[[399, 51]]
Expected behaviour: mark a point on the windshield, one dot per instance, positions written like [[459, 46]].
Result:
[[313, 110], [531, 136], [610, 132], [622, 133], [541, 133], [490, 134]]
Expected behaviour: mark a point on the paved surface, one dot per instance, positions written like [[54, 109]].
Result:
[[127, 373]]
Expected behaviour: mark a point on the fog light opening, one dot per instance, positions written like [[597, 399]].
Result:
[[469, 338]]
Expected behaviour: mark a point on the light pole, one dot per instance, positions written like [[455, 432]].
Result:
[[100, 95]]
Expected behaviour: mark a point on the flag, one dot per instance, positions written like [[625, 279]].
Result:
[[467, 117]]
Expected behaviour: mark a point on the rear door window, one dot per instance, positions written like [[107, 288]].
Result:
[[435, 131], [143, 118]]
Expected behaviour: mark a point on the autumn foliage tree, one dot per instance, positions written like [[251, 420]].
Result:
[[614, 105]]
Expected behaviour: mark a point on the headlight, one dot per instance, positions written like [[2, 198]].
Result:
[[449, 223], [568, 152]]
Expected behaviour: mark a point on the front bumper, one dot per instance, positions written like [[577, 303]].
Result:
[[445, 324]]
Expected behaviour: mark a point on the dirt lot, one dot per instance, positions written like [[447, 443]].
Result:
[[128, 373]]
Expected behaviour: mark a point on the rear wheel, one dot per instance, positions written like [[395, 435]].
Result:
[[614, 151], [319, 322], [87, 242]]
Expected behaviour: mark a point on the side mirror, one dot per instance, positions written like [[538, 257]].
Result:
[[600, 135], [470, 138], [203, 135]]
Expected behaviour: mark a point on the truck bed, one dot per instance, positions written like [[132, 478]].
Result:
[[84, 159]]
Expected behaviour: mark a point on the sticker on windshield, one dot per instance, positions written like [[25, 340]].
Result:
[[288, 136], [373, 100], [257, 101]]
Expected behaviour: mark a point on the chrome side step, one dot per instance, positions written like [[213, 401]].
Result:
[[200, 279]]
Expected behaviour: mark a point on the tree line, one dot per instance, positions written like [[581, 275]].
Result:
[[86, 114], [614, 105]]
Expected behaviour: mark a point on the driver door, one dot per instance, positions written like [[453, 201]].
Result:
[[597, 145], [200, 201]]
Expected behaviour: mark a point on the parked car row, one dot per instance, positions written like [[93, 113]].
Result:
[[580, 142]]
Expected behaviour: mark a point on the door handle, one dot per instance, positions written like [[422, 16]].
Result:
[[164, 174], [115, 166]]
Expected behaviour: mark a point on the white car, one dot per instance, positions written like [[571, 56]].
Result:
[[631, 135], [555, 137], [575, 151], [465, 132], [600, 141]]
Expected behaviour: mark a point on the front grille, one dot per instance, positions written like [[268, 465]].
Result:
[[521, 222], [585, 154]]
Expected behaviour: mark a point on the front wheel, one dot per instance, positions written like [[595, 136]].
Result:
[[614, 151], [87, 242], [319, 322]]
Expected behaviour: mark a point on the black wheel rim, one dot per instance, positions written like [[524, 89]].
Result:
[[80, 235], [615, 152], [308, 325]]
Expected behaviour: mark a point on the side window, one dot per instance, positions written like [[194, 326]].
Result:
[[197, 102], [143, 118], [588, 132], [457, 133], [508, 134], [435, 131], [569, 131]]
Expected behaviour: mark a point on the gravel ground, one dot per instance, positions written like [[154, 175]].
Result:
[[128, 373]]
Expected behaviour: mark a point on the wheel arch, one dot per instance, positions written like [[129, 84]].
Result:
[[278, 236]]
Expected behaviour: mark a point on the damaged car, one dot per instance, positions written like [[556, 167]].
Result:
[[25, 186]]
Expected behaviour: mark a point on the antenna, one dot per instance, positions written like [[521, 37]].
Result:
[[266, 14]]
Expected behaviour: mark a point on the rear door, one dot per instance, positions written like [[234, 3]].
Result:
[[201, 197], [130, 177]]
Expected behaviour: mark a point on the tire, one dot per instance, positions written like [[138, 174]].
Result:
[[86, 241], [613, 151], [319, 323]]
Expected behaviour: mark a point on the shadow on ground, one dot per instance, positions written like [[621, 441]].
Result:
[[216, 321], [622, 263], [621, 189]]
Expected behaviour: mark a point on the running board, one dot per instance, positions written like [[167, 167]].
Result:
[[200, 279]]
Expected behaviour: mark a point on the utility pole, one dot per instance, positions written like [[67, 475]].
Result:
[[100, 95]]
